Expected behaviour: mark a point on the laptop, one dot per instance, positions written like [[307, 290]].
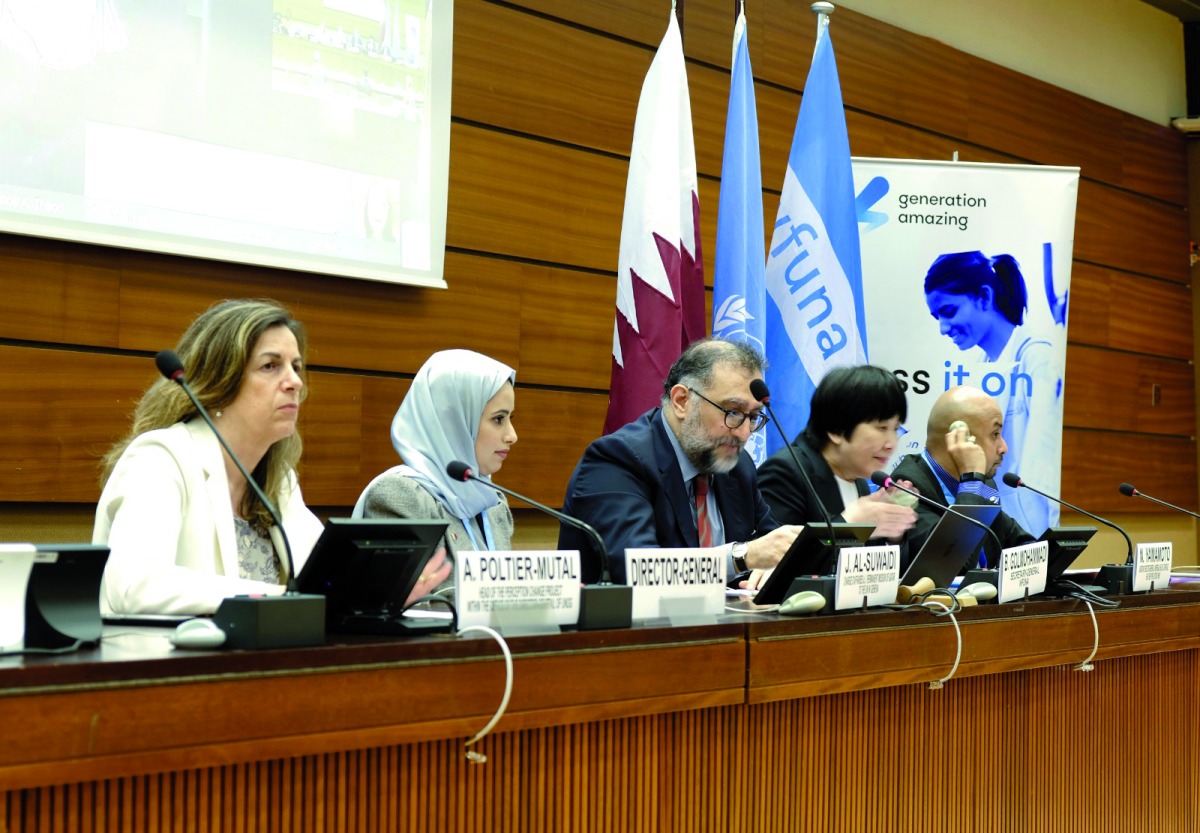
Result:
[[952, 546], [811, 554], [366, 567]]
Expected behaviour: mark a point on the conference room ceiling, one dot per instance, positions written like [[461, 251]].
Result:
[[1186, 10]]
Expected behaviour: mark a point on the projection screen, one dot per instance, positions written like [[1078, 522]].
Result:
[[301, 134]]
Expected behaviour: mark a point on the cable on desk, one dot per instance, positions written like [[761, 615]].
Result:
[[434, 598], [1086, 665], [478, 757], [75, 646], [1075, 590]]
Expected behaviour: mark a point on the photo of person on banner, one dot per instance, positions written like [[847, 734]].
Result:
[[981, 303]]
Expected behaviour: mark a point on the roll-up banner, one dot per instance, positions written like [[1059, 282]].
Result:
[[966, 279]]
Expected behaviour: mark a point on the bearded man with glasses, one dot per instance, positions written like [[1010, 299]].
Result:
[[676, 476]]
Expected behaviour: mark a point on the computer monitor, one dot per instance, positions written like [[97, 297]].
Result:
[[1066, 544], [366, 567], [62, 599], [811, 554]]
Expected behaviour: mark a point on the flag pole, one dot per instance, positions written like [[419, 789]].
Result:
[[822, 10]]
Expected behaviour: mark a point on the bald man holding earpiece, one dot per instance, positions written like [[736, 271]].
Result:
[[964, 446]]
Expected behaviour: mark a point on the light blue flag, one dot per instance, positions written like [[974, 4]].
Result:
[[815, 315], [739, 297]]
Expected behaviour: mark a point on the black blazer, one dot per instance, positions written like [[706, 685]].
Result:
[[783, 487], [629, 487], [913, 467]]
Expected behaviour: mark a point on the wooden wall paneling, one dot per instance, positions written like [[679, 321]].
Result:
[[351, 324], [515, 196], [1039, 122], [331, 424], [566, 329], [57, 424], [569, 84], [1131, 232], [1096, 462], [631, 20], [57, 292], [1113, 391], [1129, 312], [381, 398], [1153, 158]]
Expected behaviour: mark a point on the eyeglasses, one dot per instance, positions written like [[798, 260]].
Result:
[[734, 419]]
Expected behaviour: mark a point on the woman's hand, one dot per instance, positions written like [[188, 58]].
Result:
[[435, 572]]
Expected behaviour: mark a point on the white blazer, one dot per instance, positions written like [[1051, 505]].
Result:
[[166, 516]]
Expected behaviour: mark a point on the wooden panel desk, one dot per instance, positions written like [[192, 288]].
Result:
[[822, 723]]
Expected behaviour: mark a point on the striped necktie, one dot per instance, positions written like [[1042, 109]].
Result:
[[703, 524]]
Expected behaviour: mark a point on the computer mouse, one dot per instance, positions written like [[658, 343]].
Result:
[[806, 601], [198, 633], [981, 590]]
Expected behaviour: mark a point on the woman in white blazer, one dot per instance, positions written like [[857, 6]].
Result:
[[184, 529]]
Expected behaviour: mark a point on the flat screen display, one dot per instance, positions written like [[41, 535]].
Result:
[[300, 134]]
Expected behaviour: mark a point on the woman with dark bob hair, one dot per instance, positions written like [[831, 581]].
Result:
[[184, 529], [853, 430]]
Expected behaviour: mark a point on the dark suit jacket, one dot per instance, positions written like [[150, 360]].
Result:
[[913, 467], [629, 487], [783, 487]]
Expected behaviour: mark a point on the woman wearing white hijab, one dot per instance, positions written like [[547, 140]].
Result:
[[459, 407]]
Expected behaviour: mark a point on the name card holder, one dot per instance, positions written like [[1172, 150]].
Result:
[[1151, 567], [16, 562], [518, 592], [869, 575], [1023, 571], [685, 585]]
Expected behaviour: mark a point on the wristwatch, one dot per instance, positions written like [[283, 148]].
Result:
[[971, 476], [739, 550]]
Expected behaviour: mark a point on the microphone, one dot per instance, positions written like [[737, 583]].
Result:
[[881, 479], [305, 617], [1128, 490], [1013, 481], [759, 390], [1112, 576], [601, 605]]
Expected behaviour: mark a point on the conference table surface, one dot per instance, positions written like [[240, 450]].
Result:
[[135, 704]]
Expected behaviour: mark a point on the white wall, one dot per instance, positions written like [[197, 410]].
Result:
[[1123, 53]]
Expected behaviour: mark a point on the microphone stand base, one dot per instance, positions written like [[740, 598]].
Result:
[[605, 607], [294, 620], [1116, 578]]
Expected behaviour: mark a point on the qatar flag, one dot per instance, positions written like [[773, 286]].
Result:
[[660, 272]]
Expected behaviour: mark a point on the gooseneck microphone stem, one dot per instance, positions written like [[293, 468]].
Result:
[[461, 471], [601, 605], [882, 480], [1128, 490], [759, 390], [1013, 481], [171, 367]]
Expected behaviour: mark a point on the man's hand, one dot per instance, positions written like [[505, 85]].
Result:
[[961, 447], [764, 553]]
